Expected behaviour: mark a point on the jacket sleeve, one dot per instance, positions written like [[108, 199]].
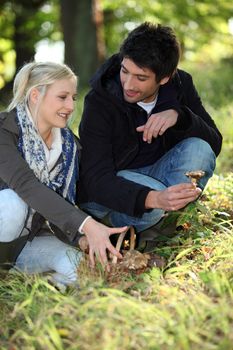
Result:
[[193, 119], [15, 172], [99, 182]]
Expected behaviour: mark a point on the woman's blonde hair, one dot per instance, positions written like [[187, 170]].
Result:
[[37, 75]]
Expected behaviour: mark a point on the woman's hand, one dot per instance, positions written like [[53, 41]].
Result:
[[99, 243]]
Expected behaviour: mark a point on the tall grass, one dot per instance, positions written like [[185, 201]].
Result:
[[186, 305]]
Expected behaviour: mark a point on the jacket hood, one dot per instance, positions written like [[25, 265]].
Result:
[[106, 80]]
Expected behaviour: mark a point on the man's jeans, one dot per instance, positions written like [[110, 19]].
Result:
[[190, 154], [43, 253]]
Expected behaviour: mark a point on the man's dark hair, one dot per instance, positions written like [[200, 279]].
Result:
[[154, 47]]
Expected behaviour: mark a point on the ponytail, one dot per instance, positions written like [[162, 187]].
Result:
[[20, 87]]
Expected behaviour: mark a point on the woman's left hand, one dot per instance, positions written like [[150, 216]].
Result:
[[99, 243]]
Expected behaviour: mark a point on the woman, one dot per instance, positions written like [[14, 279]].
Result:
[[40, 226]]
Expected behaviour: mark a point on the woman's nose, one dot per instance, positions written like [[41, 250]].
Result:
[[70, 104]]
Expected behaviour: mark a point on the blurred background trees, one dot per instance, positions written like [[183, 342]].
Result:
[[91, 30], [82, 33]]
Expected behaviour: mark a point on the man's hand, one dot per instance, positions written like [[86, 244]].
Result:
[[157, 124], [172, 198], [98, 240]]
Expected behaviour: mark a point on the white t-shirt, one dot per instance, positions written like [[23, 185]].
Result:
[[148, 106]]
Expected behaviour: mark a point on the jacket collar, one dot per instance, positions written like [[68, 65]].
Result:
[[9, 122]]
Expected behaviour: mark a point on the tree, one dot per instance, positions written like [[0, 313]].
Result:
[[82, 24], [197, 23], [94, 29], [22, 26]]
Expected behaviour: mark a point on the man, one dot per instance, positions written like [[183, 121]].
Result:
[[143, 127]]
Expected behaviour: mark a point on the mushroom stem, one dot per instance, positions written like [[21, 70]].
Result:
[[132, 238], [118, 245]]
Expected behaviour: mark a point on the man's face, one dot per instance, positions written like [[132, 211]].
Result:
[[138, 84]]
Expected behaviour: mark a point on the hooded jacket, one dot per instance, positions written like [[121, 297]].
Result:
[[64, 218], [111, 143]]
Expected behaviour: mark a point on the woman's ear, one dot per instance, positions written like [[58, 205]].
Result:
[[34, 95]]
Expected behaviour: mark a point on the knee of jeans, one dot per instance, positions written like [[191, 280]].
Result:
[[199, 146], [67, 262], [199, 154], [207, 156], [142, 179], [13, 213], [202, 157]]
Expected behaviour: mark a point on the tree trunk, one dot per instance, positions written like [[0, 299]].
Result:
[[82, 22], [24, 40]]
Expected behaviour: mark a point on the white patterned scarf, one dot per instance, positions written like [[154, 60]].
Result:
[[63, 177]]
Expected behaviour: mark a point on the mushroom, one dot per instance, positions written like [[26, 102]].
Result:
[[133, 259], [195, 175]]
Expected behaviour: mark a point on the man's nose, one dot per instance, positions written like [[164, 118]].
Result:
[[129, 82]]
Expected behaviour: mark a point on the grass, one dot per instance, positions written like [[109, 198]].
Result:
[[186, 305]]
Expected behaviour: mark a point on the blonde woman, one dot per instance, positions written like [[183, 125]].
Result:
[[40, 225]]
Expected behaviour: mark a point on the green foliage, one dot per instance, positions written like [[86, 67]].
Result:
[[37, 24], [199, 24], [214, 85]]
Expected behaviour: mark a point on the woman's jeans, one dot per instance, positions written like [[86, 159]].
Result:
[[43, 253], [190, 154]]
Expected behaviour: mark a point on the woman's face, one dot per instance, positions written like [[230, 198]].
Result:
[[57, 105]]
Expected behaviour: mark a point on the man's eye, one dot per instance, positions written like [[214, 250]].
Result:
[[141, 78], [62, 97]]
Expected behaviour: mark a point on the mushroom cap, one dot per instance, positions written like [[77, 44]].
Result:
[[134, 260], [195, 174]]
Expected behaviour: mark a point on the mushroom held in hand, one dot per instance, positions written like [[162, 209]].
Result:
[[195, 175]]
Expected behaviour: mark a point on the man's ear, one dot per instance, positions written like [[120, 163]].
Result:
[[34, 95], [164, 80]]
